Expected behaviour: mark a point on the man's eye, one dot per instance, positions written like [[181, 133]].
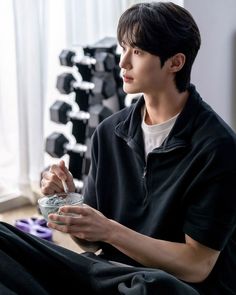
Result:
[[122, 48], [136, 51]]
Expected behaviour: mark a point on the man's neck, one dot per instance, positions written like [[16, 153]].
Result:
[[163, 106]]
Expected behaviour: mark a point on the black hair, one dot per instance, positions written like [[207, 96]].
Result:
[[162, 29]]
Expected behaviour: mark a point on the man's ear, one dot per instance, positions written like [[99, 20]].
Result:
[[176, 62]]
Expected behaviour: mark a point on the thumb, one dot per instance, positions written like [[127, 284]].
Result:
[[68, 176], [63, 167]]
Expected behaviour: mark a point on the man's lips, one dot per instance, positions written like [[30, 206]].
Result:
[[127, 78]]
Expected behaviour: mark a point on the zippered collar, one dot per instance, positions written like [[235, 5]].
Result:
[[130, 128]]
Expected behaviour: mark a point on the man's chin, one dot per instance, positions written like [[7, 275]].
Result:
[[129, 90]]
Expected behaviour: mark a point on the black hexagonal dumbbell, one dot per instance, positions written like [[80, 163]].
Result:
[[107, 44], [101, 86], [58, 145], [101, 62], [100, 56], [61, 112]]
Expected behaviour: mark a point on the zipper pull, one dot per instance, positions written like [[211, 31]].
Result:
[[144, 171]]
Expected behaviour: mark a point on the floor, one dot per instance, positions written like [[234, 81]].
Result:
[[28, 211]]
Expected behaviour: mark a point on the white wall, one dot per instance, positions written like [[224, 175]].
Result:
[[214, 72]]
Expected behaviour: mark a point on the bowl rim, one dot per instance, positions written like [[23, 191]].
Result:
[[53, 206]]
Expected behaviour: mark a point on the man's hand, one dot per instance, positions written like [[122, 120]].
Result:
[[51, 181], [83, 222]]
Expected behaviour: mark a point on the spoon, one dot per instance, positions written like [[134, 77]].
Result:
[[65, 187]]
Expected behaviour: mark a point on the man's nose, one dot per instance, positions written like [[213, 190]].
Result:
[[125, 62]]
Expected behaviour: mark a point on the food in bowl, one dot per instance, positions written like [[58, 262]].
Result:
[[51, 204]]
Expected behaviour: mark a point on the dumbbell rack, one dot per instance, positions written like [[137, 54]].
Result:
[[98, 95]]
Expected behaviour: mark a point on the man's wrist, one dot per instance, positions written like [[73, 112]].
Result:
[[112, 231]]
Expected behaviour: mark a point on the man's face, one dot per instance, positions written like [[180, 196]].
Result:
[[141, 71]]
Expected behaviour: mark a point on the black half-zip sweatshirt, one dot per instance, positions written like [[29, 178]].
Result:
[[186, 186]]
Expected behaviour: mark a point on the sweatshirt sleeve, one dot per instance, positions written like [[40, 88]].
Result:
[[211, 214]]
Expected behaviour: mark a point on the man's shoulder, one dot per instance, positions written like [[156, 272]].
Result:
[[116, 118], [212, 127], [215, 121]]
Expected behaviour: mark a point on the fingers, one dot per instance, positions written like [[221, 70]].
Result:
[[56, 218], [81, 221], [73, 225], [79, 210], [67, 223], [62, 164], [63, 174], [59, 170], [68, 176], [69, 216], [49, 187], [51, 182]]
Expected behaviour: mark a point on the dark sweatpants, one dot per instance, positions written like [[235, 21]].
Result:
[[29, 265]]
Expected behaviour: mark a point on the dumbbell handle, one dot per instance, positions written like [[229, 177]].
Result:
[[77, 148], [85, 60], [81, 115], [83, 85]]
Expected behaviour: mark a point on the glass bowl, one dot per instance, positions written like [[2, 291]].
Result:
[[52, 203]]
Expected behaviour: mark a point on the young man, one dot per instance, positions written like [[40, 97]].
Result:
[[160, 195]]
